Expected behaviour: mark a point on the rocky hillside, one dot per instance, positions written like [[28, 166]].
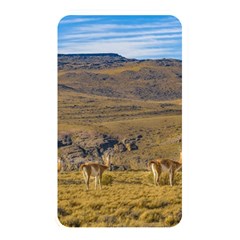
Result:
[[91, 61], [129, 107], [81, 147], [112, 75]]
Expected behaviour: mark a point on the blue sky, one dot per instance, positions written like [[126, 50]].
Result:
[[140, 37]]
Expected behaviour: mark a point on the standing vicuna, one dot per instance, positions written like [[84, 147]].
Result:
[[95, 170], [160, 165]]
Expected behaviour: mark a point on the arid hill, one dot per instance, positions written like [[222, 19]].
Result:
[[112, 75], [106, 102]]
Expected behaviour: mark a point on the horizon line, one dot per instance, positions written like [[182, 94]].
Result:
[[111, 53]]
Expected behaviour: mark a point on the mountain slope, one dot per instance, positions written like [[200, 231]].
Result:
[[112, 75]]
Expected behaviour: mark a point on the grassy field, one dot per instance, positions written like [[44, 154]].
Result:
[[130, 80], [122, 102], [159, 123], [127, 199]]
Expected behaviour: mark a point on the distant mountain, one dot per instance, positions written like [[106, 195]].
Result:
[[109, 74], [90, 61]]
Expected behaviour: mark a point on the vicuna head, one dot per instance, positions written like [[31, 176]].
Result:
[[106, 157]]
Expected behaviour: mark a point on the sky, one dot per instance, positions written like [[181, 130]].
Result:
[[140, 37]]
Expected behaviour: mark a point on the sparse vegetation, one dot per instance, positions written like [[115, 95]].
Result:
[[134, 108], [131, 200], [161, 133]]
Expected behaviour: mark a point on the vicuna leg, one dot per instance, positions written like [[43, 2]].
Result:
[[171, 176], [155, 175], [158, 174], [86, 178], [157, 171], [158, 177], [96, 182], [100, 181]]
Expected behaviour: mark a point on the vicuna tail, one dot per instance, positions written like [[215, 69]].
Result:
[[82, 166]]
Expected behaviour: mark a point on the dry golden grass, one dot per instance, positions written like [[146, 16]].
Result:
[[128, 199], [161, 130], [131, 66], [131, 80]]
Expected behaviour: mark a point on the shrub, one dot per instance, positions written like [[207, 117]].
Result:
[[74, 222], [109, 220], [62, 212], [71, 222], [96, 206], [151, 216], [169, 221], [107, 179]]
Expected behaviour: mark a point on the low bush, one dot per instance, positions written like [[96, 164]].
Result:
[[107, 179]]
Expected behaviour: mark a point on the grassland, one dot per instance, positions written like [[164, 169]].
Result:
[[127, 199], [125, 101], [159, 123], [143, 80]]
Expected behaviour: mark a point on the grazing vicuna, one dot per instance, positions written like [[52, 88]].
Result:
[[95, 170], [160, 165]]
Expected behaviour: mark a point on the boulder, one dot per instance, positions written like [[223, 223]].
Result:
[[131, 146], [120, 147], [139, 137], [94, 152], [64, 140], [107, 143], [119, 167]]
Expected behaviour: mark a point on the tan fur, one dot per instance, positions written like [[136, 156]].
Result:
[[59, 165], [160, 165], [95, 170]]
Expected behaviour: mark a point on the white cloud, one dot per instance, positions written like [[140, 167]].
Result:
[[77, 20], [145, 38], [137, 49], [133, 41], [102, 27], [102, 34]]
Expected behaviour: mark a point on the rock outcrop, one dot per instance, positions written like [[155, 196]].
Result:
[[119, 147], [90, 146], [64, 140]]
